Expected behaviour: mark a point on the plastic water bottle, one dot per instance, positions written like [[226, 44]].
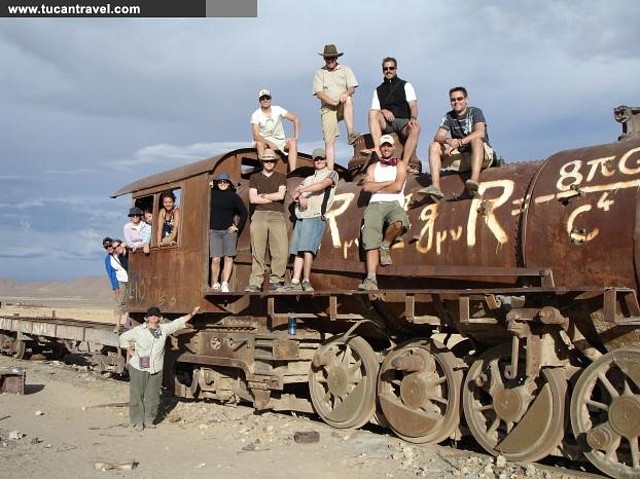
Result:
[[293, 325]]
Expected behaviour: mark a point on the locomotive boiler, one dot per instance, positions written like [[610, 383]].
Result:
[[511, 316]]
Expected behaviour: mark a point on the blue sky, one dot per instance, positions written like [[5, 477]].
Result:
[[90, 105]]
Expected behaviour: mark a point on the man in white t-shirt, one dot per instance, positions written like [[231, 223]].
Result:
[[268, 130]]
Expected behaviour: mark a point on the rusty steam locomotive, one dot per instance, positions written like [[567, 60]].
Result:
[[512, 316]]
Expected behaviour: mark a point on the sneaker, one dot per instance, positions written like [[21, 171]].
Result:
[[224, 287], [432, 191], [369, 285], [385, 257], [216, 287], [274, 286], [252, 289], [352, 137], [472, 187], [291, 287], [138, 428], [306, 286], [149, 426]]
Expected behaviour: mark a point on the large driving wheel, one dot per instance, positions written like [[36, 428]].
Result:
[[342, 382], [521, 418], [419, 391], [605, 413]]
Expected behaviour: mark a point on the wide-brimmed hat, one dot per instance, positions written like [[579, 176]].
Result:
[[319, 153], [135, 211], [330, 50], [268, 154], [153, 311]]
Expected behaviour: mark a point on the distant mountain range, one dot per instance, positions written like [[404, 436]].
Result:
[[87, 290]]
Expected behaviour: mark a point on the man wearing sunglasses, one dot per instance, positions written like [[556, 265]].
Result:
[[461, 143], [334, 85], [313, 198], [268, 130], [394, 108]]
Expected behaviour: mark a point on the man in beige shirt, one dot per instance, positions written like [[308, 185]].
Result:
[[334, 85]]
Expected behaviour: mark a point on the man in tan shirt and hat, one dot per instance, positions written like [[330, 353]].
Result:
[[334, 85]]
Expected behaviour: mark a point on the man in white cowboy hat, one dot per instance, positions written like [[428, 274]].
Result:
[[268, 131], [334, 85], [267, 189]]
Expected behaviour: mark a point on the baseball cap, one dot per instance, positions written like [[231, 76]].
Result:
[[387, 139], [264, 92]]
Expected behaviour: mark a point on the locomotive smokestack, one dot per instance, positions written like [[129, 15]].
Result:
[[629, 117]]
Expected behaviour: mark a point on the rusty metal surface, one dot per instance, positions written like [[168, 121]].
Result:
[[583, 210], [558, 216]]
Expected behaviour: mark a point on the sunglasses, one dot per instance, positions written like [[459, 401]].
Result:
[[388, 69], [460, 98], [330, 59], [319, 159], [263, 98]]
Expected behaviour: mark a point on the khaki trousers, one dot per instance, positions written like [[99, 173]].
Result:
[[268, 227], [144, 396]]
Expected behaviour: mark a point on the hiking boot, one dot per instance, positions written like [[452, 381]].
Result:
[[352, 137], [224, 287], [432, 192], [291, 288], [252, 289], [368, 285], [472, 187], [216, 287], [273, 287], [306, 286], [385, 257]]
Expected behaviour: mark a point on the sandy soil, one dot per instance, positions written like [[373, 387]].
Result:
[[61, 310], [72, 419]]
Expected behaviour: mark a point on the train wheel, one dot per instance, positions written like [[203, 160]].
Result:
[[342, 383], [522, 418], [419, 391], [12, 346], [605, 413]]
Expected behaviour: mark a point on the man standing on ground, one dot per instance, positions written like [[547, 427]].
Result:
[[461, 143], [268, 130], [267, 189], [385, 181], [394, 108], [334, 85], [145, 353], [313, 199]]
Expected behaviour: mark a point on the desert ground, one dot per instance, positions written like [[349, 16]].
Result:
[[73, 422]]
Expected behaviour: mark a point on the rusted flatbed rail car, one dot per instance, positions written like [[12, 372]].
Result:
[[61, 335]]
